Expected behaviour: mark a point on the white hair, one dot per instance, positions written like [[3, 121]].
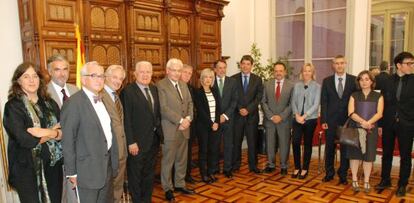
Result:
[[111, 68], [174, 61], [142, 63], [84, 70]]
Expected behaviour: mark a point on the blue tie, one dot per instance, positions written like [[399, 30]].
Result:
[[245, 84]]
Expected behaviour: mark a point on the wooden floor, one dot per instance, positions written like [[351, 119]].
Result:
[[250, 187]]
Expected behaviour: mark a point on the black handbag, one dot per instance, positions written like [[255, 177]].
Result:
[[348, 135]]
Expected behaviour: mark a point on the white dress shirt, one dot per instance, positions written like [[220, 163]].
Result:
[[58, 90]]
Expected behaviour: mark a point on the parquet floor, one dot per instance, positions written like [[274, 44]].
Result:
[[250, 187]]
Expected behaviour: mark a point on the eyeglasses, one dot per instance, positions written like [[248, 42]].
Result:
[[96, 76], [409, 63]]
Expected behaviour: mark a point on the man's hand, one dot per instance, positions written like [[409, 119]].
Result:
[[325, 126], [133, 149], [276, 119], [379, 131], [222, 118], [73, 181], [185, 123], [215, 126], [243, 112]]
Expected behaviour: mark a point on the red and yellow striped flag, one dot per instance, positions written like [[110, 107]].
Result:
[[80, 55]]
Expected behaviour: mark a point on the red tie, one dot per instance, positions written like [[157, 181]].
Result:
[[277, 94]]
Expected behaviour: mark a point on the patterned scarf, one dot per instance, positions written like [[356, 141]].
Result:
[[55, 147]]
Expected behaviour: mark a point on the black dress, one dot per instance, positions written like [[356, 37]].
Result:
[[22, 174], [365, 108]]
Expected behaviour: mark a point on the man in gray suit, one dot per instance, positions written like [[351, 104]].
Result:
[[176, 116], [58, 89], [89, 145], [114, 76], [277, 117]]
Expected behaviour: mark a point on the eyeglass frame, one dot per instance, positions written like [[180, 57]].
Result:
[[95, 76]]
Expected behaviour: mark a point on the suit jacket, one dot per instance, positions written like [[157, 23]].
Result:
[[84, 144], [334, 110], [405, 105], [16, 121], [52, 91], [172, 108], [117, 124], [228, 101], [253, 96], [386, 86], [281, 107], [141, 124], [203, 119]]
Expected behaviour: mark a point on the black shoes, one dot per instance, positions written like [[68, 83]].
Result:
[[384, 184], [256, 171], [169, 195], [283, 171], [228, 174], [189, 179], [206, 179], [343, 181], [400, 191], [269, 169], [184, 190], [213, 178], [327, 178], [295, 175], [303, 176]]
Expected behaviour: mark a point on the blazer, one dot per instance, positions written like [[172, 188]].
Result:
[[173, 109], [84, 145], [281, 107], [312, 101], [20, 143], [384, 83], [117, 124], [253, 96], [52, 91], [228, 101], [141, 124], [405, 105], [334, 110], [203, 119]]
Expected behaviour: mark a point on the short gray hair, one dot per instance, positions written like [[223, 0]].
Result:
[[56, 57], [84, 70], [186, 66], [206, 72], [111, 68], [142, 63], [174, 61]]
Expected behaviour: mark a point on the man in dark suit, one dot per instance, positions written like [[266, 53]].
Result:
[[89, 146], [404, 116], [227, 88], [114, 75], [143, 131], [336, 91], [250, 91]]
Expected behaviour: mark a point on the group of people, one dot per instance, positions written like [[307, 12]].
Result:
[[66, 141]]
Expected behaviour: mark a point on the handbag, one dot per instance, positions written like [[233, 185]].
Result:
[[348, 135]]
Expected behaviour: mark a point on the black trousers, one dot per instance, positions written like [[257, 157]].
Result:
[[192, 139], [306, 131], [330, 147], [245, 126], [226, 132], [140, 170], [405, 135], [389, 134], [209, 151]]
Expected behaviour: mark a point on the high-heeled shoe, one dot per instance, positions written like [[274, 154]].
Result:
[[213, 178], [367, 187], [295, 175], [355, 186], [206, 179], [303, 176]]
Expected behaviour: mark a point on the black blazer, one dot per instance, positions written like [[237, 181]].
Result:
[[139, 121], [16, 121], [334, 110], [252, 98], [203, 119], [385, 84], [405, 107], [228, 101]]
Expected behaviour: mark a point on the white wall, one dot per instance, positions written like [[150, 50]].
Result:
[[10, 57]]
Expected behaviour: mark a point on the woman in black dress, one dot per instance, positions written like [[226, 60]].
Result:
[[34, 150], [365, 108]]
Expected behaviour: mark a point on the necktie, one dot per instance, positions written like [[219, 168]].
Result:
[[97, 99], [245, 84], [118, 105], [178, 92], [147, 94], [65, 96], [277, 93], [340, 88], [220, 86], [399, 87]]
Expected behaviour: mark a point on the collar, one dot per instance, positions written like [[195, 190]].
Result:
[[173, 82], [57, 87], [109, 90], [90, 94]]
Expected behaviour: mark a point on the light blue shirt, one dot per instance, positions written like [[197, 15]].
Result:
[[312, 101]]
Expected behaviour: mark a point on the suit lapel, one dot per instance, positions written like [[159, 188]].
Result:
[[92, 110], [173, 90], [54, 94], [272, 90], [225, 86]]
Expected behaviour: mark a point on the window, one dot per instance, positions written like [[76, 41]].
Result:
[[312, 31]]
